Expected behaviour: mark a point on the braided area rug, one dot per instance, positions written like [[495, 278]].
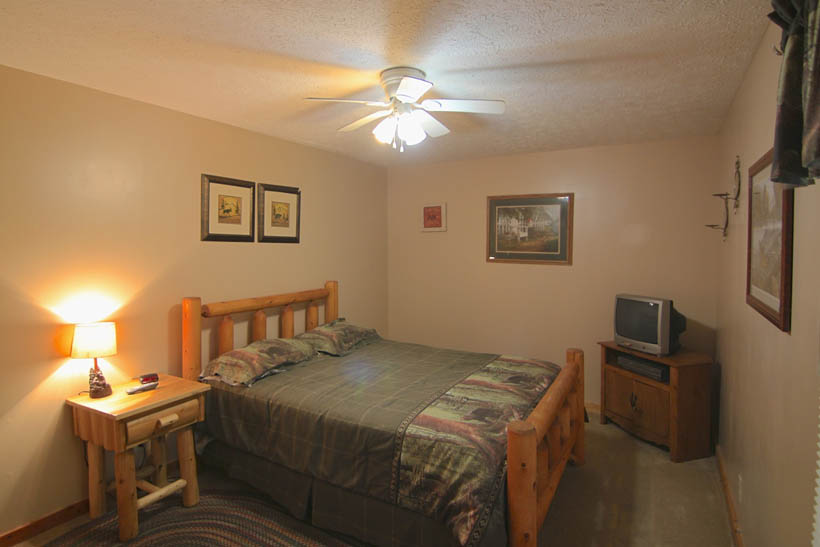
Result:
[[220, 518]]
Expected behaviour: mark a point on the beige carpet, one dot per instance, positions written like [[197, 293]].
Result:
[[630, 494]]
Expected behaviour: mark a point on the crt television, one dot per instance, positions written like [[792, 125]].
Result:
[[647, 324]]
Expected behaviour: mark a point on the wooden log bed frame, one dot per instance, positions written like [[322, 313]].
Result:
[[538, 448]]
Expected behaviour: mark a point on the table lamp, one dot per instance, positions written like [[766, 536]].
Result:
[[95, 340]]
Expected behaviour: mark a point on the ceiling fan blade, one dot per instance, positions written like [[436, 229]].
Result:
[[477, 106], [366, 120], [411, 89], [431, 126], [352, 101]]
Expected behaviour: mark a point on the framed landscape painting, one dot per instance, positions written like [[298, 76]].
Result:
[[530, 228], [769, 245], [279, 214], [226, 209]]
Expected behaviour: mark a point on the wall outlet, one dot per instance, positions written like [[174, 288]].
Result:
[[739, 488]]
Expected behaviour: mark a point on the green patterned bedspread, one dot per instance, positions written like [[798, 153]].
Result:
[[412, 425], [453, 458]]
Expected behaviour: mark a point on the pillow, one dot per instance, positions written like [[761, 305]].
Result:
[[243, 367], [339, 337]]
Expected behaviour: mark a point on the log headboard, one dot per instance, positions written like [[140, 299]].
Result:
[[193, 310]]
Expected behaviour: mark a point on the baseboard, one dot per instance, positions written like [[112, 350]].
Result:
[[734, 523], [61, 516], [33, 528], [593, 407]]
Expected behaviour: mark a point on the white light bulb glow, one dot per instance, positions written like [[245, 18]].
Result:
[[409, 130], [86, 307]]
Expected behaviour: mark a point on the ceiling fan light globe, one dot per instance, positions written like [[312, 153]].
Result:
[[385, 130], [409, 130]]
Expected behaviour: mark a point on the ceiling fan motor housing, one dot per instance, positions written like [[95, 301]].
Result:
[[391, 77]]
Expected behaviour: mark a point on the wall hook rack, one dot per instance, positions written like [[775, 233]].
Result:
[[736, 186], [734, 196], [725, 226]]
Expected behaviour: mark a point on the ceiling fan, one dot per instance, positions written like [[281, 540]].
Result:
[[407, 121]]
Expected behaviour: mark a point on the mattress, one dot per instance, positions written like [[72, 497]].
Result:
[[391, 425]]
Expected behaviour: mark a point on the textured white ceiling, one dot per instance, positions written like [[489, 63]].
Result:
[[573, 72]]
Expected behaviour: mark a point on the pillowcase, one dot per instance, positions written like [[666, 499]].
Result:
[[243, 367], [339, 337]]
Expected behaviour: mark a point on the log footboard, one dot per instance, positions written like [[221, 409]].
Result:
[[539, 447]]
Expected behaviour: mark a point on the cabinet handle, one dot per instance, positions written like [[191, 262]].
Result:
[[167, 421], [633, 402]]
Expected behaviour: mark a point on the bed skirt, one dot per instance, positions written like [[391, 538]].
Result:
[[332, 508]]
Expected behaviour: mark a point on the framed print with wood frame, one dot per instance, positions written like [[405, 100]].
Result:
[[279, 213], [769, 245], [227, 207], [530, 228], [434, 217]]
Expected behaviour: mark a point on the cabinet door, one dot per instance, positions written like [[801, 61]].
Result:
[[618, 394], [651, 408]]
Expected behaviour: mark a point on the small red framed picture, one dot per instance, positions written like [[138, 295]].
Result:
[[434, 217]]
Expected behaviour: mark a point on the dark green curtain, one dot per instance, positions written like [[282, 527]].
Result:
[[797, 127]]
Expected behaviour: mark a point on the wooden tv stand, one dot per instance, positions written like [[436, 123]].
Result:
[[676, 414]]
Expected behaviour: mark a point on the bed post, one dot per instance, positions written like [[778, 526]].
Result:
[[576, 356], [538, 450], [522, 483], [311, 316], [224, 340], [332, 302], [259, 326], [191, 337], [286, 322]]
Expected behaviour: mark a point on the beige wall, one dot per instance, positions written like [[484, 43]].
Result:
[[639, 216], [768, 428], [102, 193]]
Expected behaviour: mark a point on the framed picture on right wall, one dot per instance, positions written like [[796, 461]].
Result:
[[769, 245]]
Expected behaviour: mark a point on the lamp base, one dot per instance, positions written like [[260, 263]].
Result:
[[97, 386]]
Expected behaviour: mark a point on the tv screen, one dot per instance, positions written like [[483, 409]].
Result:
[[637, 320]]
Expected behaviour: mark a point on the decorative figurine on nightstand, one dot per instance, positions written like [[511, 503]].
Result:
[[95, 340], [97, 386]]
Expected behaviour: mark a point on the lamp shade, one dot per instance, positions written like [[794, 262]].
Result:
[[94, 340]]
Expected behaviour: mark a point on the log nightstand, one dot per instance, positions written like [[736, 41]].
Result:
[[120, 422]]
